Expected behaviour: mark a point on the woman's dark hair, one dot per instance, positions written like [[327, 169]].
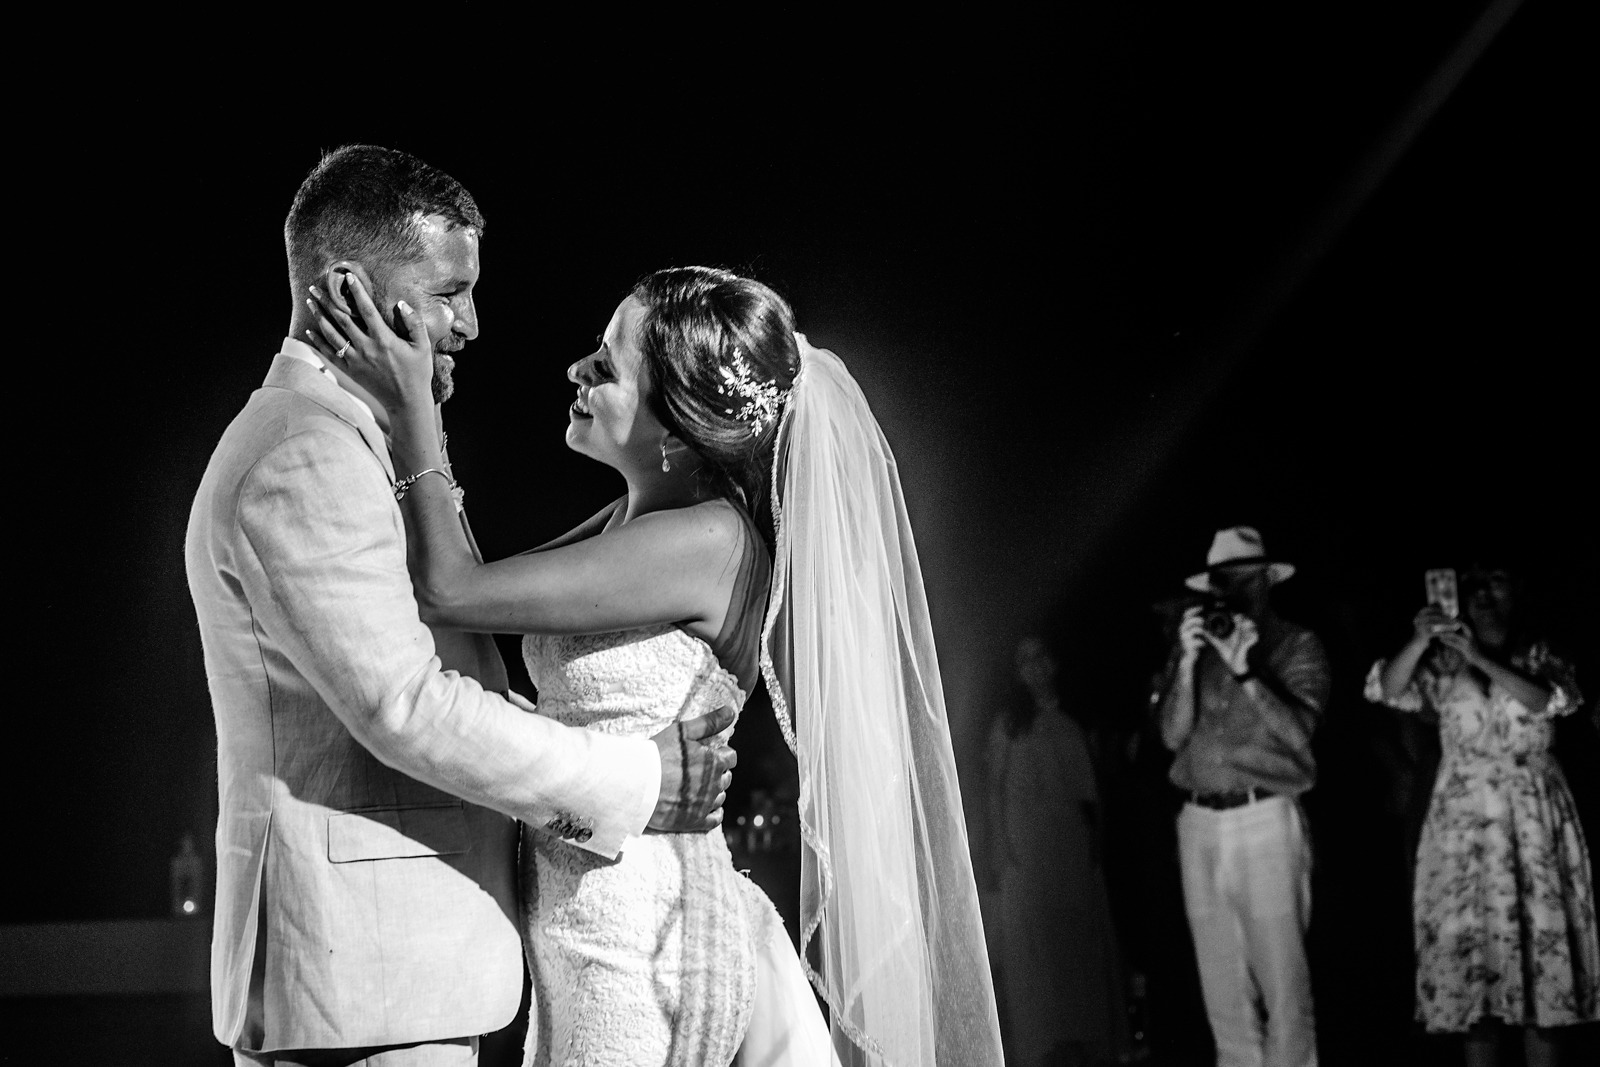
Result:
[[698, 323], [1525, 624], [1021, 707]]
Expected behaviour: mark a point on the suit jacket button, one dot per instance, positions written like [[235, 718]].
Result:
[[584, 835]]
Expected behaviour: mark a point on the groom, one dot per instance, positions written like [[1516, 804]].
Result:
[[368, 785]]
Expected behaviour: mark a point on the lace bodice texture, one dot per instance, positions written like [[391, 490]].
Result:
[[648, 959], [629, 682]]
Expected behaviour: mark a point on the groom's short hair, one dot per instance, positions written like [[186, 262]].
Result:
[[366, 203]]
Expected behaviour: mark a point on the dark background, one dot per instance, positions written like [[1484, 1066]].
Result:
[[1110, 280]]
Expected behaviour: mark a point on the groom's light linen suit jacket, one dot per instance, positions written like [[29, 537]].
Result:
[[365, 858]]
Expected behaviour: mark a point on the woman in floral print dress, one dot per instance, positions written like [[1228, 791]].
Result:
[[1503, 907]]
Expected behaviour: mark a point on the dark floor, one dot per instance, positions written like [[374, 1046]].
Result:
[[1359, 945], [140, 1031], [171, 1030], [175, 1031]]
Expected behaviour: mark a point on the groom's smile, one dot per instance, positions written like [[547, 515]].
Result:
[[440, 287]]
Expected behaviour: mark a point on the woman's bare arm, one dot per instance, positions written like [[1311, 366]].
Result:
[[674, 566]]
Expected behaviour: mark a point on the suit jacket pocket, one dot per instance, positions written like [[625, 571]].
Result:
[[398, 833]]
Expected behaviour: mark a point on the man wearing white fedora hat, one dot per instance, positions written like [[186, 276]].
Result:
[[1244, 691]]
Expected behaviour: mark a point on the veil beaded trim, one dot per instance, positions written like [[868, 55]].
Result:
[[847, 653]]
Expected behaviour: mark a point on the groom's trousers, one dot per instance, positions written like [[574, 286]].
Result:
[[1247, 890], [460, 1052]]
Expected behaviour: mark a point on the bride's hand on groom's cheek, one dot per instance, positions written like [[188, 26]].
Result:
[[351, 333]]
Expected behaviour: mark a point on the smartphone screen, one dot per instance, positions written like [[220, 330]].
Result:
[[1441, 586]]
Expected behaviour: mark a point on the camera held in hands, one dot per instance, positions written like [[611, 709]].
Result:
[[1217, 616]]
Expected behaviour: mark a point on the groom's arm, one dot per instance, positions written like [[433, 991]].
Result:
[[323, 563]]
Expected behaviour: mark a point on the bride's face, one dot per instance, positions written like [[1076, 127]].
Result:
[[611, 420]]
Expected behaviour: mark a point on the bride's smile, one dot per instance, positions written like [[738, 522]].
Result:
[[610, 419]]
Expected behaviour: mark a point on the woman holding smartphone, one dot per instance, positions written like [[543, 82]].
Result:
[[1503, 904]]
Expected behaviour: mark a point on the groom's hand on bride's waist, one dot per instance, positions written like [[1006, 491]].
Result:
[[694, 774]]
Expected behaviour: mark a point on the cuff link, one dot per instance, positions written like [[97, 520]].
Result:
[[568, 828]]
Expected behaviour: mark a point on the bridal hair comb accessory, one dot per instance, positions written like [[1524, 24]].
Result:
[[762, 400]]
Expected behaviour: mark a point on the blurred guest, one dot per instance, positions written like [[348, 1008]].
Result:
[[1244, 692], [1061, 979], [1503, 904]]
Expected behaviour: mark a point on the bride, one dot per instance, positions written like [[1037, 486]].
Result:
[[763, 537]]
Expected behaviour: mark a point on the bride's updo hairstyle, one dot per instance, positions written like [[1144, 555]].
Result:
[[721, 355]]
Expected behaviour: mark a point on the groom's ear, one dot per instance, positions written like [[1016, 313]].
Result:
[[335, 279]]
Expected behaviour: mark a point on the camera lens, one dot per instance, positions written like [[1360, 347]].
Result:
[[1219, 622]]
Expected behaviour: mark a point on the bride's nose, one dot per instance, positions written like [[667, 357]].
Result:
[[575, 373]]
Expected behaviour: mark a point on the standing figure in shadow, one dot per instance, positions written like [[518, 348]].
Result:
[[1245, 691], [1061, 977], [1503, 904]]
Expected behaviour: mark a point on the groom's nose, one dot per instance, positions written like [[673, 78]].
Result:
[[466, 321]]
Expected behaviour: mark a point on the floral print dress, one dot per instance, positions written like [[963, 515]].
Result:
[[1503, 909]]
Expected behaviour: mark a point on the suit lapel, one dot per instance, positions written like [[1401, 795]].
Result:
[[298, 376]]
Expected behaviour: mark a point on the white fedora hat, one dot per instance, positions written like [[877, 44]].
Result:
[[1238, 546]]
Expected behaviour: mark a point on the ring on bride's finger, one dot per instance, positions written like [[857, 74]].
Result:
[[345, 351]]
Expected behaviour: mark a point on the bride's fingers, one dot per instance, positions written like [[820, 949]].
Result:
[[324, 306], [330, 333], [320, 343], [415, 326], [370, 315]]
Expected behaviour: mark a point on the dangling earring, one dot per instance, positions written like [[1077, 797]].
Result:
[[665, 466]]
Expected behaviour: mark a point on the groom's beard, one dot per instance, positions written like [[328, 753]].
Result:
[[443, 367]]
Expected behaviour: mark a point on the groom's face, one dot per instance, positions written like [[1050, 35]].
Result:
[[440, 287]]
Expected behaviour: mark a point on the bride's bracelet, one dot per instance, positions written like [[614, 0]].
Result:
[[457, 494]]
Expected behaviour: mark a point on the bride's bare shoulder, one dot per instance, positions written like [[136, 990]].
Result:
[[710, 524]]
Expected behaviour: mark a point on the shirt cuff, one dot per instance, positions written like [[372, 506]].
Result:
[[648, 775], [635, 762]]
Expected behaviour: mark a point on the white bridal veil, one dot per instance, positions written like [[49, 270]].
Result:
[[847, 652]]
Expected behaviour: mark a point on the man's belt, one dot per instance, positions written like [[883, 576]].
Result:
[[1224, 801]]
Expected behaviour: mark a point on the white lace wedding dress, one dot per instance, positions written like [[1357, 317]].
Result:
[[651, 958]]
